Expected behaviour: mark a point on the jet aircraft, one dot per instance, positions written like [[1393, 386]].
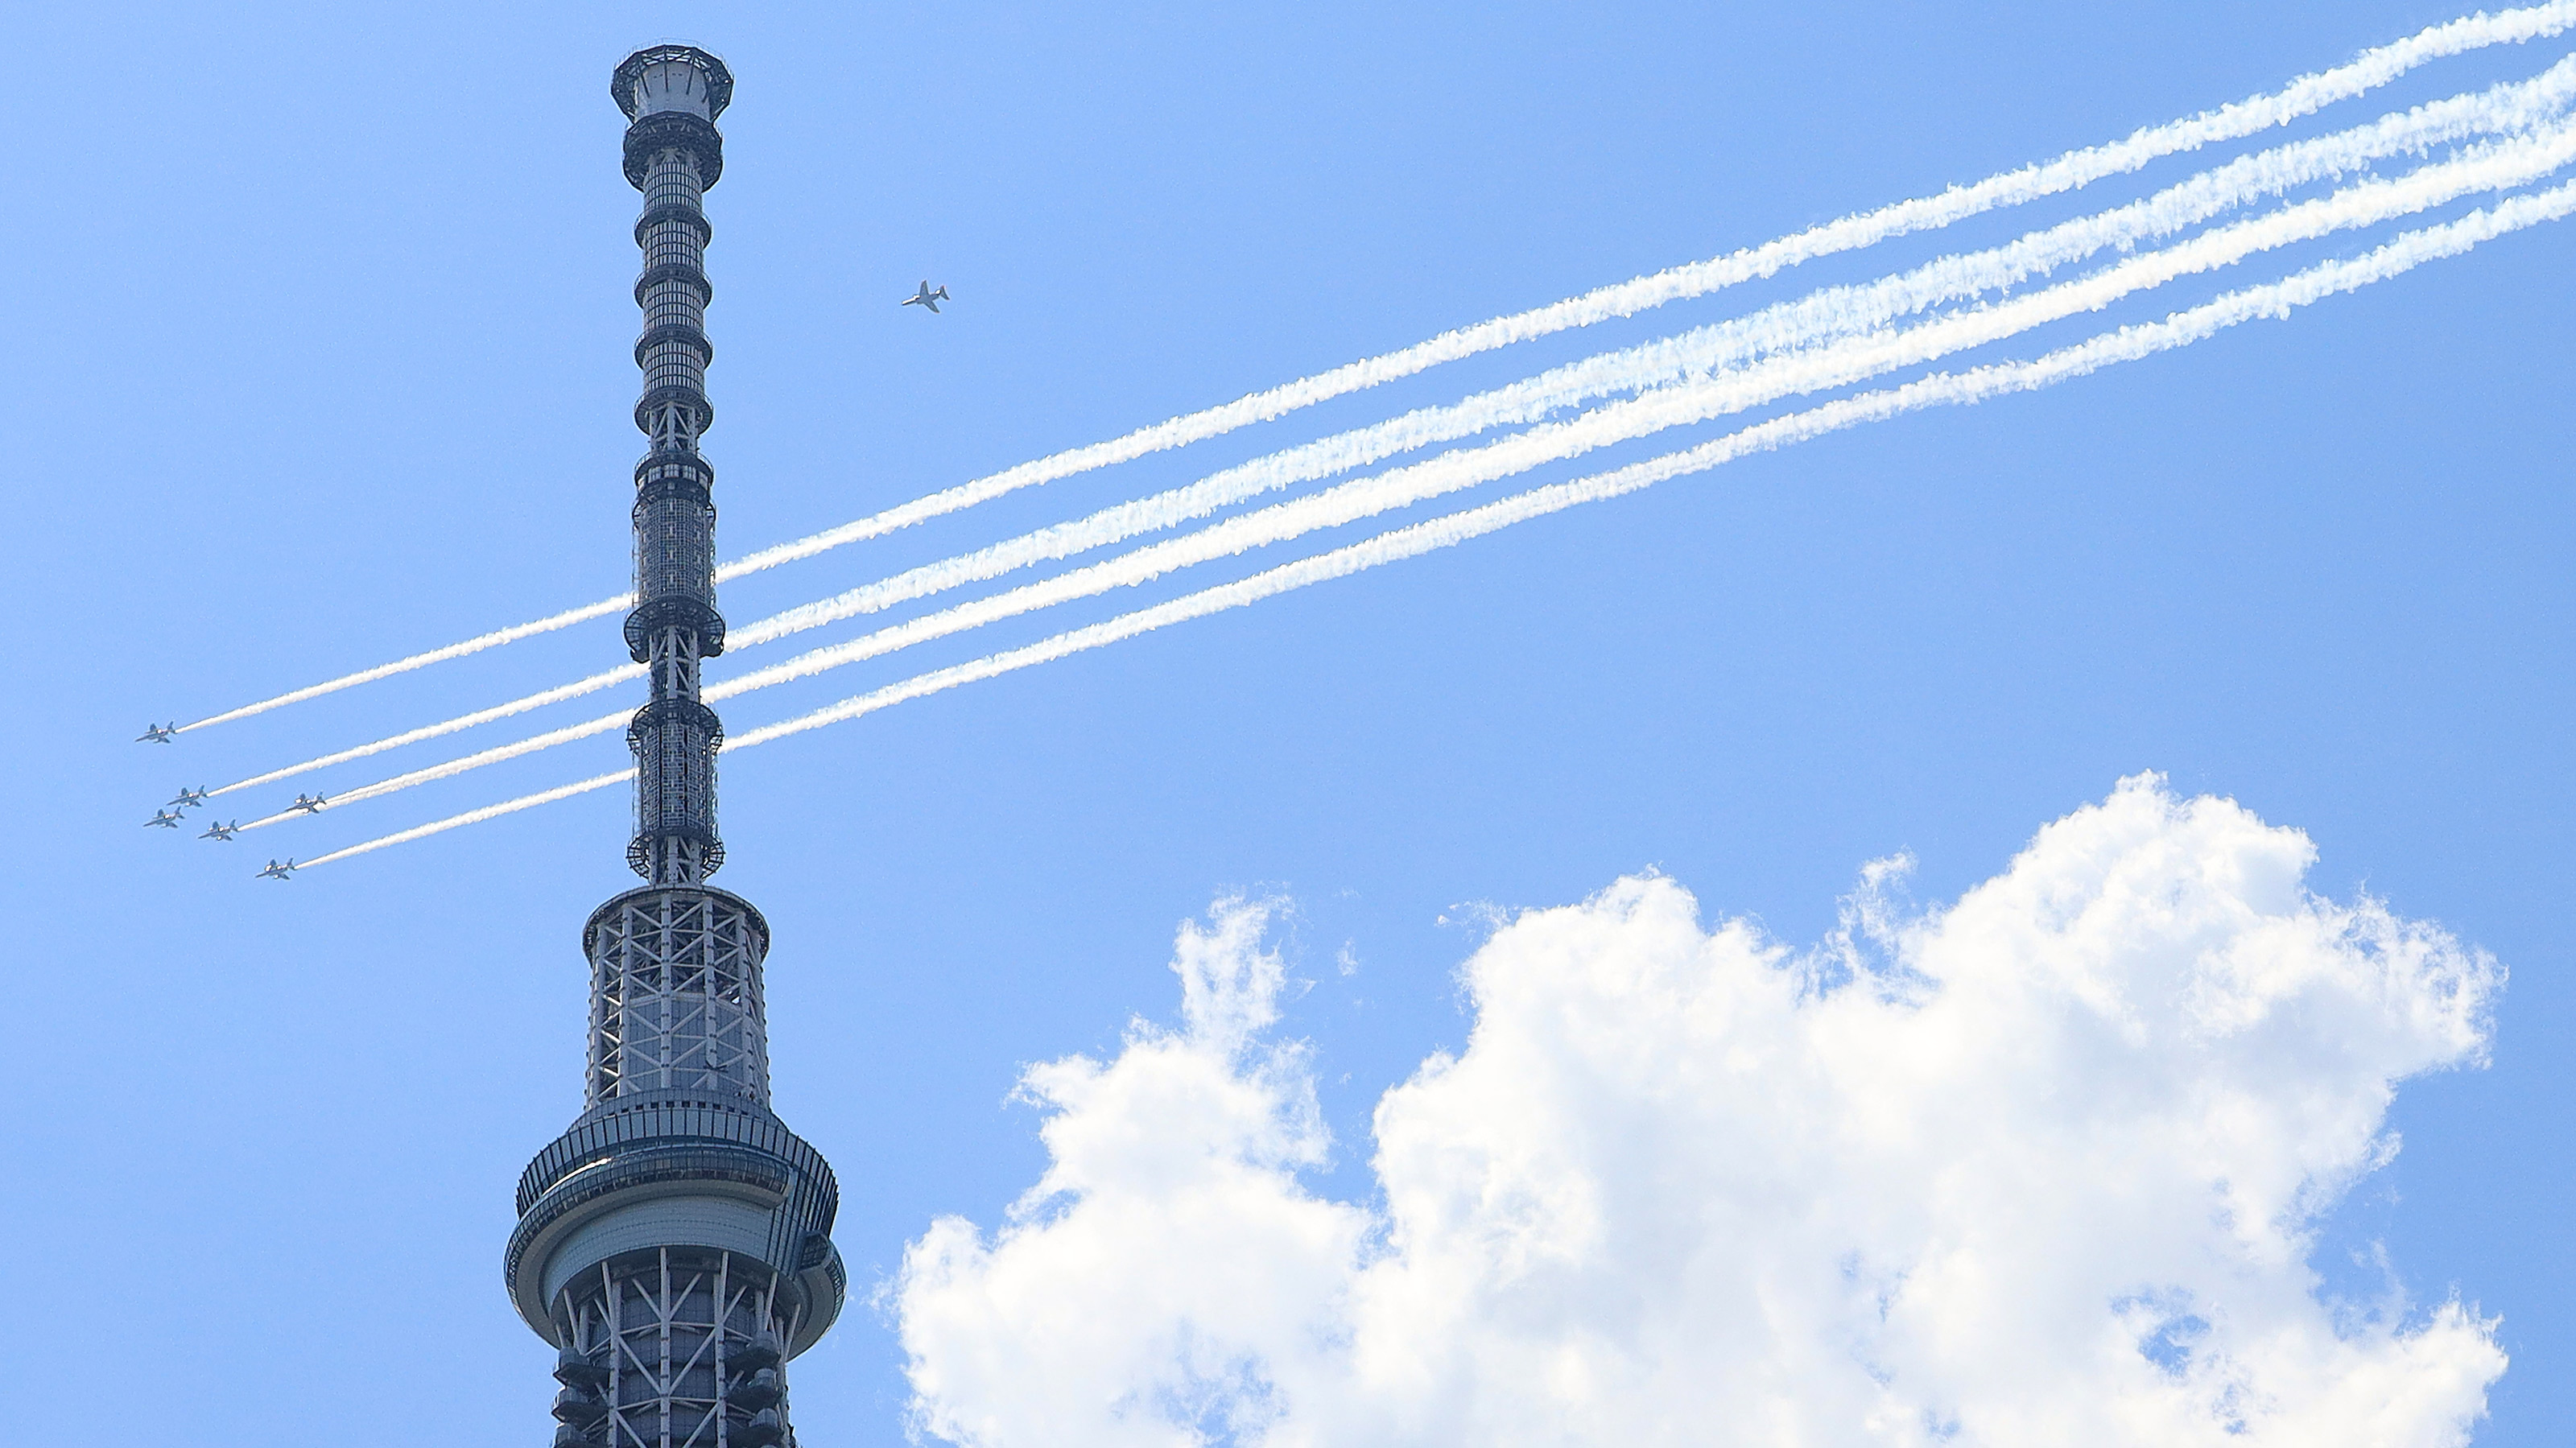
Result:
[[927, 298], [189, 796], [163, 818], [276, 871], [309, 803], [216, 830], [158, 733]]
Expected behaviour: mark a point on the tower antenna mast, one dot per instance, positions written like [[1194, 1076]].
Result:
[[674, 1245]]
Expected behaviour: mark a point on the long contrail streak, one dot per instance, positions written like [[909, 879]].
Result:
[[474, 645], [1827, 315], [2487, 168], [2275, 300], [574, 690], [530, 745], [2302, 97], [1828, 367], [478, 816]]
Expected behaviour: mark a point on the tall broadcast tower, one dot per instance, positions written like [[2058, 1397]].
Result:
[[674, 1246]]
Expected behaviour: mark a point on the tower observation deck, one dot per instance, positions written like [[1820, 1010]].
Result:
[[674, 1245]]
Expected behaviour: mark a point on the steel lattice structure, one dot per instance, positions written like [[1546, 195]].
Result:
[[674, 1246]]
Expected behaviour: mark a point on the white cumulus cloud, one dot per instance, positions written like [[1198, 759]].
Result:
[[2038, 1168]]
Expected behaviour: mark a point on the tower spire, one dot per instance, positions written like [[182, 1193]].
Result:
[[672, 95], [674, 1246]]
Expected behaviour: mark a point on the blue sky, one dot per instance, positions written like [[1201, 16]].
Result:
[[324, 359]]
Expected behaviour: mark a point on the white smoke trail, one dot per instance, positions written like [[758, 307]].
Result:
[[2276, 300], [477, 816], [2075, 169], [538, 700], [2128, 344], [2368, 202], [474, 645], [2302, 97], [533, 744], [1823, 368], [1835, 312]]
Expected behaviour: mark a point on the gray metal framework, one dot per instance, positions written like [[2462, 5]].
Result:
[[675, 1245]]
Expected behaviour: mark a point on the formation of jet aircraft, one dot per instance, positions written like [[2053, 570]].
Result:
[[171, 815], [927, 298]]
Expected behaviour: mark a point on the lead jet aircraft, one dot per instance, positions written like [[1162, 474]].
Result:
[[163, 818], [219, 831], [309, 803], [189, 796], [276, 871], [927, 298], [158, 733]]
